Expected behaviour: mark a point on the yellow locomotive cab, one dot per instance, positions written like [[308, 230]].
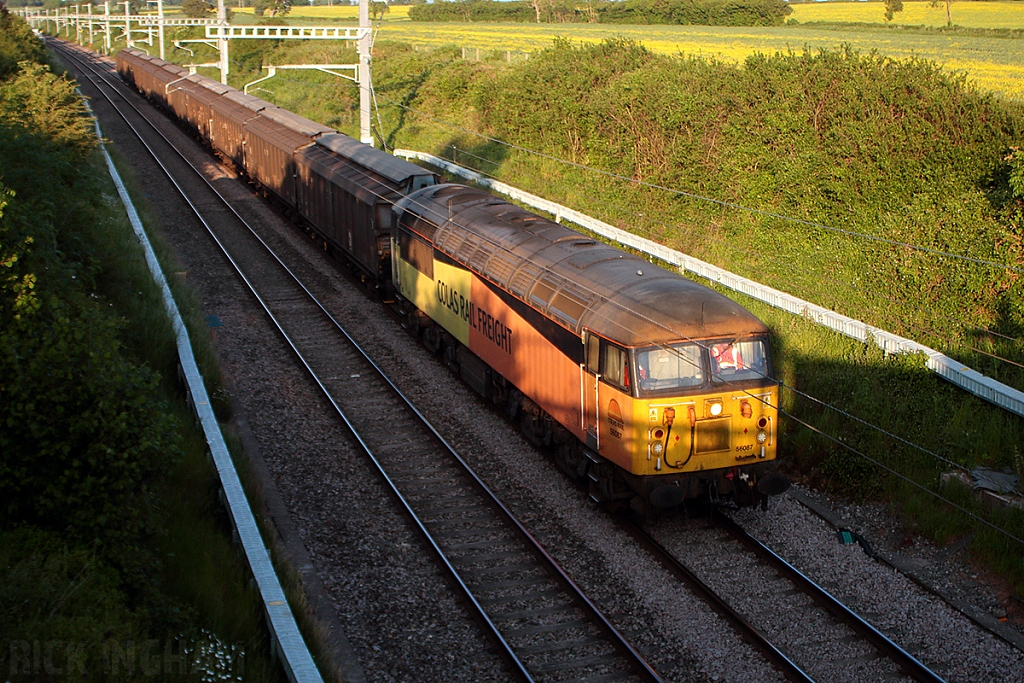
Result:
[[730, 419], [649, 386]]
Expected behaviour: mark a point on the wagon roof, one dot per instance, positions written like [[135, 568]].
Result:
[[139, 54], [378, 161], [200, 88], [365, 186], [297, 123], [276, 135], [250, 102], [214, 87], [582, 282], [168, 72]]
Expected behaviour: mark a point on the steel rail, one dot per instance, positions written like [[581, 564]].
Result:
[[297, 660], [625, 648], [909, 664], [790, 669], [517, 665]]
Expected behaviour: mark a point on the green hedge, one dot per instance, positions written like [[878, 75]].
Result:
[[698, 12]]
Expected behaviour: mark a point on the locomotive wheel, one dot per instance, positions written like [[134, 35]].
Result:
[[515, 401], [451, 355], [571, 460]]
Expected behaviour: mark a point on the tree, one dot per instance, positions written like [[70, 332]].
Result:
[[949, 18], [891, 7], [196, 9], [377, 10], [272, 8]]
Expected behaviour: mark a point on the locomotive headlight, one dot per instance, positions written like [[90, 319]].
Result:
[[762, 437], [715, 408], [657, 448]]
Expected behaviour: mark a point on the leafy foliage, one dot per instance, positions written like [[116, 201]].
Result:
[[81, 435], [197, 9], [1015, 179], [17, 43], [53, 592], [271, 8], [891, 7]]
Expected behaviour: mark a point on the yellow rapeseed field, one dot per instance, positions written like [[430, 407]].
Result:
[[993, 63], [967, 14], [346, 11]]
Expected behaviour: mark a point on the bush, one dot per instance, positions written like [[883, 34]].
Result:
[[196, 9], [81, 434], [17, 43]]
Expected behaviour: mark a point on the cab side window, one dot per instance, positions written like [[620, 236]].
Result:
[[417, 251], [609, 361], [593, 353], [614, 365]]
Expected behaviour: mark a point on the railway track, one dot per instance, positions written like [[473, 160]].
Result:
[[542, 624], [814, 636], [544, 631]]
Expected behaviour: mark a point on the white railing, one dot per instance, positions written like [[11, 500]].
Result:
[[959, 374], [287, 640]]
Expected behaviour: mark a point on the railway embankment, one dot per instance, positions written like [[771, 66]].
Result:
[[116, 559]]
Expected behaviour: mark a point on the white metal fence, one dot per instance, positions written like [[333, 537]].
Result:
[[947, 368]]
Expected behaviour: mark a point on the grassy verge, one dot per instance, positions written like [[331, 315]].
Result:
[[189, 611]]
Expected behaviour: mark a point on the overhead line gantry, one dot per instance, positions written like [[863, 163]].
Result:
[[218, 34]]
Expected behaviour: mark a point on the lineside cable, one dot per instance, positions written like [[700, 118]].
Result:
[[951, 345]]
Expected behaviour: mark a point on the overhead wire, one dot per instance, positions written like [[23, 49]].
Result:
[[904, 478], [711, 200], [951, 345], [705, 345]]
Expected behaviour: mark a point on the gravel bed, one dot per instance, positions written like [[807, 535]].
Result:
[[942, 638], [397, 609], [826, 649]]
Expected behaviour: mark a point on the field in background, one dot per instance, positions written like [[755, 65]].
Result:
[[995, 63], [986, 15], [993, 15], [336, 12]]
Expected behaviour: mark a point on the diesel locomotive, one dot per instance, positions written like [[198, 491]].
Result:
[[651, 388]]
